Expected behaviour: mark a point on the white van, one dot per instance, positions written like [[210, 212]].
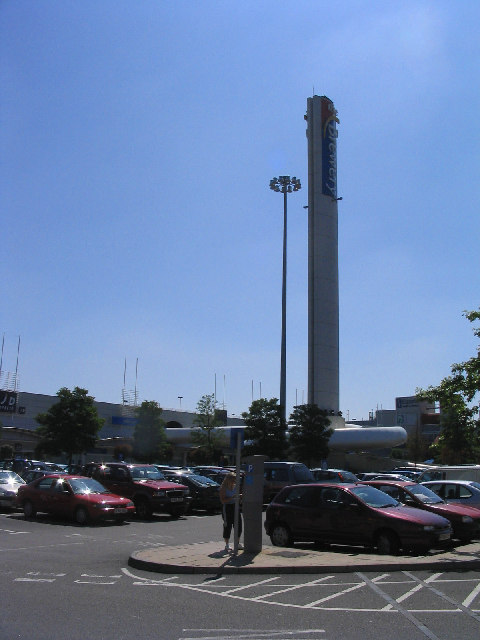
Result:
[[446, 472]]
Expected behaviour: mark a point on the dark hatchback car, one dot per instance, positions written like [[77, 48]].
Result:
[[204, 492], [74, 497], [278, 475], [465, 521], [352, 514]]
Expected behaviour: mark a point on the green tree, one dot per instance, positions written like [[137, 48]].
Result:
[[149, 438], [265, 430], [208, 440], [310, 433], [6, 452], [417, 446], [123, 451], [457, 394], [70, 426]]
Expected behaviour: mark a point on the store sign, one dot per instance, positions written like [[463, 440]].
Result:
[[329, 148], [8, 401]]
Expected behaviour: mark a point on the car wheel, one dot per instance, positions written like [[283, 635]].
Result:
[[29, 510], [143, 508], [387, 543], [281, 536], [81, 515], [176, 512]]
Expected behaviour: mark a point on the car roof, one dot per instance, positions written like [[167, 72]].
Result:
[[402, 483], [323, 485], [469, 482]]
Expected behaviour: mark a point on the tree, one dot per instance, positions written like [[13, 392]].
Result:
[[122, 451], [6, 452], [417, 446], [457, 394], [265, 429], [208, 440], [149, 438], [310, 433], [70, 426]]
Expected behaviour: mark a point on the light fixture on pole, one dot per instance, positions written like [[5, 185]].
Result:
[[285, 185]]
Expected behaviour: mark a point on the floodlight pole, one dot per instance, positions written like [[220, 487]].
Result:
[[285, 184]]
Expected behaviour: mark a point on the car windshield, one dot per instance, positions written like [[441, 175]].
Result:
[[425, 495], [6, 477], [374, 497], [146, 473], [203, 480], [85, 486]]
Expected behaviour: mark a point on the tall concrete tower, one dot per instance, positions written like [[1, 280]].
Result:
[[323, 341]]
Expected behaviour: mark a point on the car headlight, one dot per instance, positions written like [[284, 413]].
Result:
[[159, 494], [428, 527], [129, 504], [467, 519]]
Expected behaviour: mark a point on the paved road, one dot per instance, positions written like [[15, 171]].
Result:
[[59, 580]]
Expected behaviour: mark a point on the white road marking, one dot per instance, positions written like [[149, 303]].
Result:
[[407, 614], [294, 588]]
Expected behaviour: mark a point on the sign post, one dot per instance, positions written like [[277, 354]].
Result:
[[236, 442]]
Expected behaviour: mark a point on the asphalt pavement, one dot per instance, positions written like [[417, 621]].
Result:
[[210, 557]]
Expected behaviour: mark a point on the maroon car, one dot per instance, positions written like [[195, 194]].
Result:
[[352, 514], [74, 497], [465, 521], [145, 485]]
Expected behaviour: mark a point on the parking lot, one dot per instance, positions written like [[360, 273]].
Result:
[[56, 573]]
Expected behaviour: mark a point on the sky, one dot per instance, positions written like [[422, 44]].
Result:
[[143, 246]]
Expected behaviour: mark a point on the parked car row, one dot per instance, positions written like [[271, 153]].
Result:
[[110, 491], [354, 514]]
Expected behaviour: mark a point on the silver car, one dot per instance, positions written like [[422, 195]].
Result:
[[9, 483], [466, 492]]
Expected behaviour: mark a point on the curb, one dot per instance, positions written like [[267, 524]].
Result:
[[204, 558]]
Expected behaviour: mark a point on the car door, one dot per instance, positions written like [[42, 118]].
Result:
[[41, 495], [323, 514], [344, 517], [119, 481], [61, 498]]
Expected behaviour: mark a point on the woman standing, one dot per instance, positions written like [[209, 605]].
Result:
[[227, 498]]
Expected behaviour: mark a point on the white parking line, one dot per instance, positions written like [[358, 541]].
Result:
[[471, 597], [444, 596], [294, 588]]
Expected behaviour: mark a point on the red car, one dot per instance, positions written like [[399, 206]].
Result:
[[465, 521], [351, 514], [76, 497]]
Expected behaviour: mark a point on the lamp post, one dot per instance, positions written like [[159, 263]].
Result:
[[285, 185]]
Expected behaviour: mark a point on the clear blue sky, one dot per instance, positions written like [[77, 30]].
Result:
[[137, 143]]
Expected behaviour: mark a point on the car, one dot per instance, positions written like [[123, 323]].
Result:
[[9, 485], [145, 485], [383, 476], [75, 497], [33, 474], [351, 514], [204, 492], [465, 492], [412, 474], [465, 520], [334, 475], [278, 475]]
